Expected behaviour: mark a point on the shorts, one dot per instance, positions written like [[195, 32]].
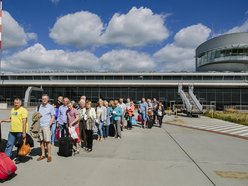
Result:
[[143, 116], [78, 133], [45, 134]]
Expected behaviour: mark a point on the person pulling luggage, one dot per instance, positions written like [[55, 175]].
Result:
[[18, 127]]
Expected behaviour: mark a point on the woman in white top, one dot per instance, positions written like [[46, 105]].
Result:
[[90, 119], [101, 117]]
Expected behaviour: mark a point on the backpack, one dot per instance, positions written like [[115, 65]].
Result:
[[35, 127]]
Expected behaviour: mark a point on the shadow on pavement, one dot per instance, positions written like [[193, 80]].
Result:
[[35, 151], [9, 178]]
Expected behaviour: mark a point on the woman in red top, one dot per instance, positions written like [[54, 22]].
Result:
[[130, 114]]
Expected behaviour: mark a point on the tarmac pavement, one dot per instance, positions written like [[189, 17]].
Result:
[[171, 155]]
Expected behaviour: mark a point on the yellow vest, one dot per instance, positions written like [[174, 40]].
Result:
[[16, 116]]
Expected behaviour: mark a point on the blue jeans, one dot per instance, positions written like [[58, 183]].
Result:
[[12, 138], [100, 132], [105, 131], [143, 116], [129, 124], [53, 132]]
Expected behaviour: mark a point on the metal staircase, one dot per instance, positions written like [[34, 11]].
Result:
[[191, 104]]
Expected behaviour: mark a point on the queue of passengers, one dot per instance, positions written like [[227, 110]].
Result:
[[57, 120]]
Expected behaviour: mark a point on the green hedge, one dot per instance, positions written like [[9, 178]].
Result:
[[240, 118]]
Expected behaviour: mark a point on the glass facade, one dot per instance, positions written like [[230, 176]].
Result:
[[225, 54], [175, 77], [163, 86], [222, 96]]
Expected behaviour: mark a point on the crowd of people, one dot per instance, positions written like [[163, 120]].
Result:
[[80, 120]]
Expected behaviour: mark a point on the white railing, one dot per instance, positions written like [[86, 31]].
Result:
[[192, 95], [184, 98]]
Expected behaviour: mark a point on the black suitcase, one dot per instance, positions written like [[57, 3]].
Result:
[[65, 146], [149, 123], [111, 130], [95, 136], [3, 142]]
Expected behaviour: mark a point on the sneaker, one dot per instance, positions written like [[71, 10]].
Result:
[[119, 137], [76, 152], [17, 161], [89, 150]]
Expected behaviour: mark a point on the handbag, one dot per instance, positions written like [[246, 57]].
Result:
[[139, 118], [25, 149], [134, 122], [105, 123], [126, 115], [58, 134], [160, 113], [73, 133], [95, 129]]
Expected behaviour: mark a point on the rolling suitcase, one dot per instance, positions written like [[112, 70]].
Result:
[[149, 123], [111, 130], [3, 142], [95, 136], [7, 166], [65, 146]]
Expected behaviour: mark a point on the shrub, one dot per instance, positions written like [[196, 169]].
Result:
[[230, 115]]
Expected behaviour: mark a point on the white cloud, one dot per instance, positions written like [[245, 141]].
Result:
[[13, 33], [240, 28], [37, 57], [80, 29], [192, 36], [179, 55], [136, 28], [175, 58], [126, 60]]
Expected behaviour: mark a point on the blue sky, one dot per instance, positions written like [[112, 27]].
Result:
[[113, 35]]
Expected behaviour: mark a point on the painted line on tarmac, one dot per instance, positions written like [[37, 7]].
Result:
[[236, 129], [240, 132], [224, 129], [215, 128], [243, 136], [189, 156]]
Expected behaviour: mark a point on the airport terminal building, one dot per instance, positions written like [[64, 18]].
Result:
[[224, 88], [219, 54], [224, 53]]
